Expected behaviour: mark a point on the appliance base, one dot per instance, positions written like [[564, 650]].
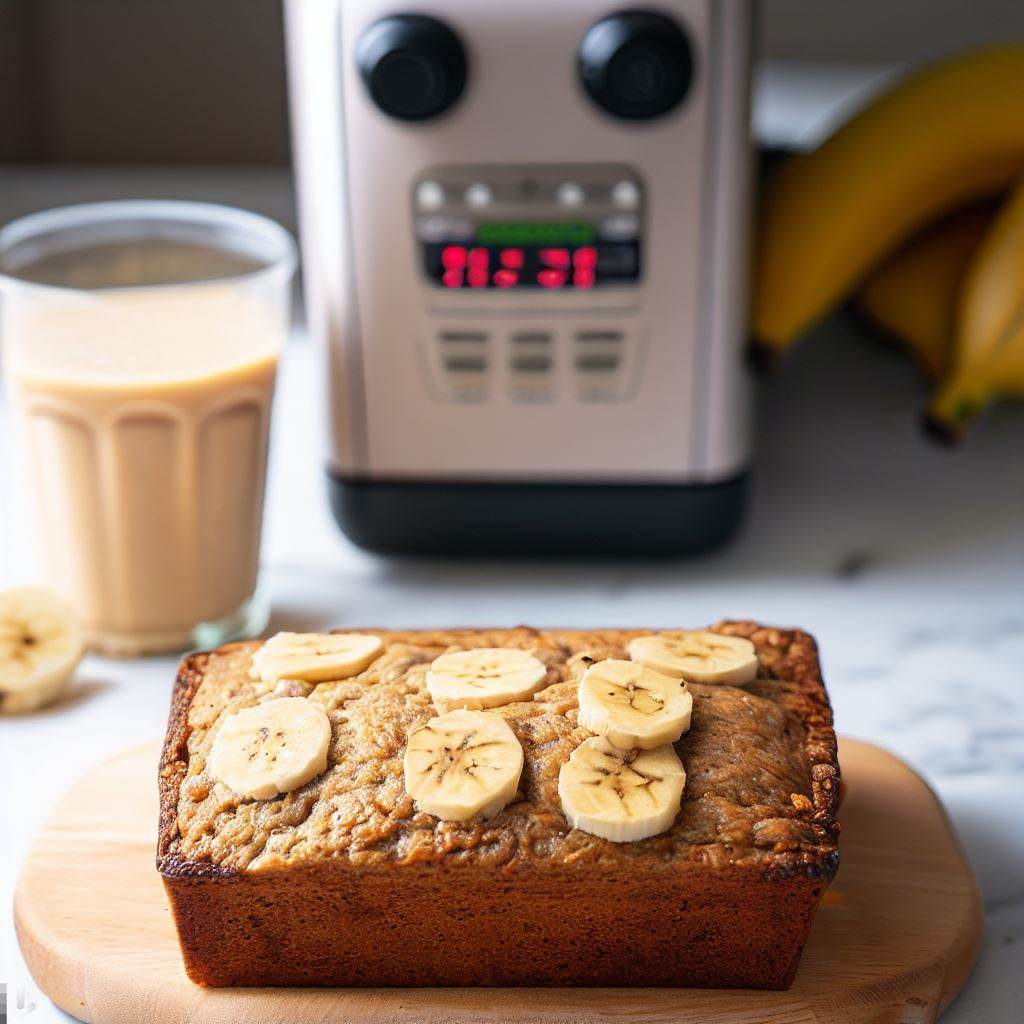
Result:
[[506, 519]]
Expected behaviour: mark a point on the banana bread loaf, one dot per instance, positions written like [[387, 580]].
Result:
[[346, 879]]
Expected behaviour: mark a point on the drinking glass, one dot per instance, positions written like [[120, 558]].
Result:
[[140, 347]]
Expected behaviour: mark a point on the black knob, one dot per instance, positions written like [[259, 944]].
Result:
[[636, 64], [413, 66]]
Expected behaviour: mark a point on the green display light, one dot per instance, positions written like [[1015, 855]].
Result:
[[535, 233]]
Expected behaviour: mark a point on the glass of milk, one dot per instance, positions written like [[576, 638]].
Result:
[[140, 343]]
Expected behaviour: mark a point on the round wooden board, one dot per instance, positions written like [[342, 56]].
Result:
[[894, 940]]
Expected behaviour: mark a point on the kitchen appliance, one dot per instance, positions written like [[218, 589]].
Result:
[[524, 230]]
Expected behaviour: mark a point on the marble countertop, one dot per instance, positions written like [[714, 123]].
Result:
[[905, 560]]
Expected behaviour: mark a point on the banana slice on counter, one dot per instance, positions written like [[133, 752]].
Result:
[[633, 705], [698, 655], [486, 677], [271, 748], [463, 763], [314, 657], [41, 644], [621, 795]]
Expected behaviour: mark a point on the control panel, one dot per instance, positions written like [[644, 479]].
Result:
[[532, 227]]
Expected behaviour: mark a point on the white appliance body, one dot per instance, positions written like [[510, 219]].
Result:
[[635, 379]]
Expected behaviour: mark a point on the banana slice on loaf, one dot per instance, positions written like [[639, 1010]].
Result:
[[632, 705], [271, 748], [485, 677], [314, 657], [621, 795], [698, 655], [462, 764]]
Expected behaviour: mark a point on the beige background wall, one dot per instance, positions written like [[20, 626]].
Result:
[[149, 81], [202, 81], [884, 31]]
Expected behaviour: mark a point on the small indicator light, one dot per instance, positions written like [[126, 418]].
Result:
[[626, 195], [429, 195], [512, 258], [479, 259], [478, 194], [556, 258], [551, 278], [453, 257], [570, 194], [585, 258], [452, 279], [477, 277], [505, 278], [583, 278]]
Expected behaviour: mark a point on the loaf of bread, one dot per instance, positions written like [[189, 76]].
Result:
[[347, 881]]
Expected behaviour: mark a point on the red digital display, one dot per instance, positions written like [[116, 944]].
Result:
[[453, 257], [558, 259], [512, 258], [585, 258], [551, 278], [452, 264]]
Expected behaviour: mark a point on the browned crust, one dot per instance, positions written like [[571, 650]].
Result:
[[789, 654], [173, 768], [801, 664], [458, 925]]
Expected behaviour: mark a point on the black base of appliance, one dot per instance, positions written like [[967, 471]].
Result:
[[549, 520]]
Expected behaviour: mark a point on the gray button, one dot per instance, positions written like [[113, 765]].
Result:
[[619, 227], [478, 194], [570, 194], [429, 195], [597, 363], [626, 195], [465, 364], [439, 228]]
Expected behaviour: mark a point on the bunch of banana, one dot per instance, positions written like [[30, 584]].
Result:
[[892, 204]]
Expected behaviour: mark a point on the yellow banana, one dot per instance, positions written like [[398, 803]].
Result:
[[945, 137], [987, 360], [913, 295]]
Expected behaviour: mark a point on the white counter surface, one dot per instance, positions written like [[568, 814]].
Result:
[[906, 561]]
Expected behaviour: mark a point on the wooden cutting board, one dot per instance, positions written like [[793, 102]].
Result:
[[894, 940]]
